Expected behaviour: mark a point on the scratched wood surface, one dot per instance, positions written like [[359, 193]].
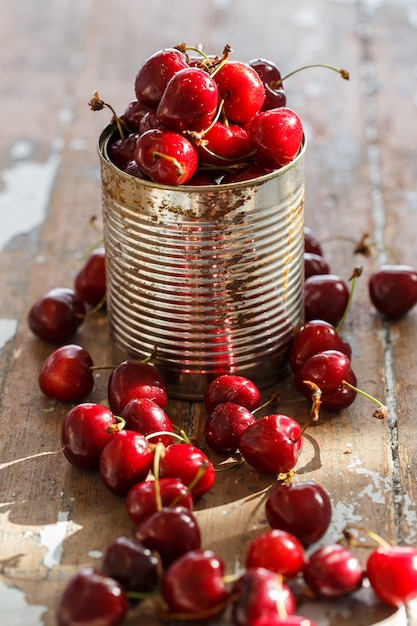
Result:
[[361, 169]]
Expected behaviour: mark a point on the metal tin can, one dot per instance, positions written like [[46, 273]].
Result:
[[204, 280]]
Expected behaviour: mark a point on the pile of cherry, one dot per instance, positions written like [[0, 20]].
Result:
[[148, 461]]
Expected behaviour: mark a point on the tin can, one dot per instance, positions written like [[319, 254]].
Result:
[[204, 280]]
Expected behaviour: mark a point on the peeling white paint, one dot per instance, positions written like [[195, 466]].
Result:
[[52, 537], [16, 611], [7, 330]]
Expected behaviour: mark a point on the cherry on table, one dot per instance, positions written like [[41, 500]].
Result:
[[311, 242], [141, 499], [191, 465], [146, 416], [332, 571], [393, 289], [131, 564], [392, 573], [313, 337], [326, 297], [232, 388], [315, 264], [225, 424], [66, 374], [135, 379], [276, 550], [90, 280], [289, 620], [57, 315]]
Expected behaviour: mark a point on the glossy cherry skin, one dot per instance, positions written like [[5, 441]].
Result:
[[272, 444], [141, 499], [90, 281], [276, 550], [194, 585], [276, 135], [249, 172], [304, 509], [135, 379], [222, 144], [225, 424], [185, 461], [258, 593], [166, 156], [56, 316], [311, 243], [121, 151], [189, 101], [343, 396], [85, 430], [315, 264], [326, 369], [92, 598], [171, 532], [271, 78], [325, 297], [333, 571], [313, 337], [147, 417], [393, 289], [232, 388], [242, 90], [66, 374], [290, 620], [125, 460], [131, 564], [392, 573], [134, 113], [155, 73]]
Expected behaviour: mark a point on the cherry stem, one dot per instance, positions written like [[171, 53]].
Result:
[[159, 433], [382, 411], [274, 399], [316, 395], [225, 57], [158, 453], [177, 165], [97, 104], [117, 427], [343, 73], [356, 273], [383, 543]]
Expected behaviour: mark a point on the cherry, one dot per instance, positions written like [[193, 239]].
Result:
[[311, 243], [167, 157], [134, 113], [225, 424], [187, 462], [276, 135], [66, 374], [193, 585], [232, 388], [315, 264], [147, 417], [141, 499], [304, 509], [135, 379], [121, 151], [155, 73], [260, 592], [289, 620], [333, 571], [221, 144], [392, 573], [312, 337], [131, 564], [90, 281], [272, 444], [248, 172], [56, 316], [189, 101], [393, 289], [85, 430], [271, 78], [171, 532], [241, 89], [278, 551], [125, 460], [326, 297], [149, 121], [92, 598]]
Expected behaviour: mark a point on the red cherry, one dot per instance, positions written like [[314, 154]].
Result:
[[92, 598], [193, 585], [392, 573], [271, 78], [242, 90], [155, 73], [141, 501], [325, 297], [134, 113], [121, 151], [272, 444], [303, 509], [66, 374], [259, 592], [186, 462], [278, 551], [232, 388], [327, 369], [131, 564], [189, 101], [85, 432], [393, 289], [167, 157], [56, 316], [311, 243], [90, 281], [125, 460], [315, 264], [249, 172], [146, 416], [313, 337], [343, 396], [171, 532], [276, 135], [275, 620], [135, 379], [222, 144], [225, 424], [333, 571]]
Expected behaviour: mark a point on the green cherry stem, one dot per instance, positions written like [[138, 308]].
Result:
[[381, 412], [158, 453], [356, 273], [343, 73]]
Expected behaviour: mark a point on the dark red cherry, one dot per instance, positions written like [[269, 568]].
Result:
[[155, 73], [276, 135], [134, 113], [66, 374], [311, 243], [141, 499], [271, 78], [393, 289], [304, 509], [147, 417], [343, 396], [187, 462], [315, 264], [242, 90], [325, 297], [232, 388], [121, 151], [92, 598], [276, 550], [249, 172], [327, 370], [313, 337], [225, 424], [90, 281], [333, 571], [131, 564], [85, 430], [276, 620], [135, 379], [56, 316]]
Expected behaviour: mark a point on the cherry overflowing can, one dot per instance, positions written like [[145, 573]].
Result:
[[204, 280]]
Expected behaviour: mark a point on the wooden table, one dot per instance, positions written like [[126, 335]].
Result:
[[361, 169]]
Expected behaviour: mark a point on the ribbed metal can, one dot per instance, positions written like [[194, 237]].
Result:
[[204, 280]]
